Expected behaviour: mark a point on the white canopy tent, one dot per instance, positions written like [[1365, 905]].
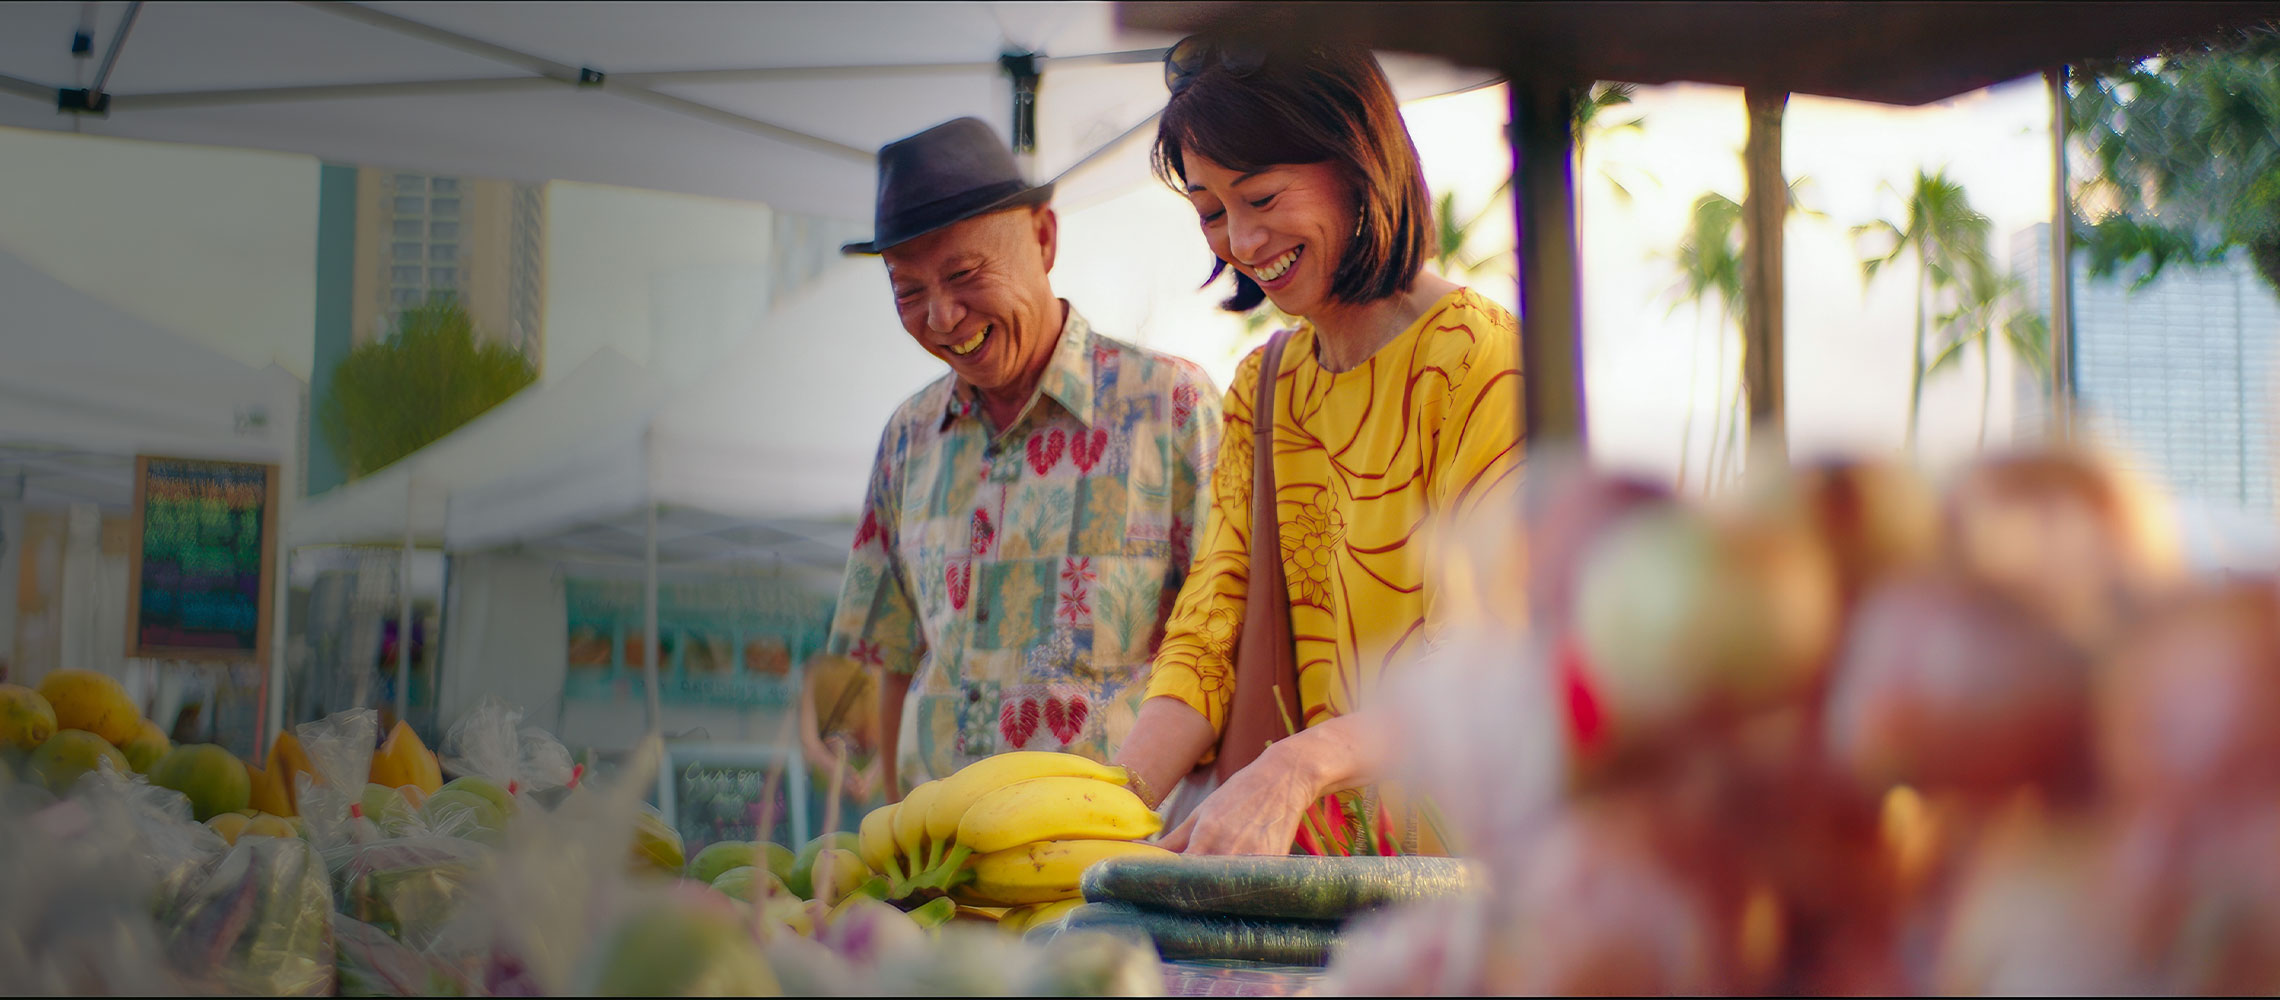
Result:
[[84, 388], [774, 102]]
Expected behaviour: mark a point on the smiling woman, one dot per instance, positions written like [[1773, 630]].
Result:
[[1395, 414]]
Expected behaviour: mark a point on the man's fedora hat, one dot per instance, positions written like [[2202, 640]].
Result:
[[946, 174]]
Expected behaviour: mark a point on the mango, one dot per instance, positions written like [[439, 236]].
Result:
[[656, 843], [230, 825], [266, 825], [215, 780], [709, 863], [674, 948], [26, 718], [269, 794], [286, 760], [147, 747], [86, 700], [70, 753], [741, 883], [465, 814], [403, 760]]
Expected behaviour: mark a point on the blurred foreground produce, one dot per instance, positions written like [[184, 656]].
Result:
[[367, 874], [1844, 733]]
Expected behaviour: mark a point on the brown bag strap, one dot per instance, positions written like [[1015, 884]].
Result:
[[1266, 661]]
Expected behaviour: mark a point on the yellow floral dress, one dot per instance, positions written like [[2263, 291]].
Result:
[[1369, 464]]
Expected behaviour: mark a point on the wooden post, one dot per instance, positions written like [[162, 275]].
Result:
[[1765, 208], [1543, 208]]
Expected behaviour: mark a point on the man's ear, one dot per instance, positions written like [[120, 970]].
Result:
[[1048, 232]]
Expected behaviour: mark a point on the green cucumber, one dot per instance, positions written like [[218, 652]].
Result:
[[1180, 936], [1289, 888]]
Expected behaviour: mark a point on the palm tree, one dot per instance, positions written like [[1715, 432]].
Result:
[[1948, 239], [1709, 260], [1990, 308], [1453, 238]]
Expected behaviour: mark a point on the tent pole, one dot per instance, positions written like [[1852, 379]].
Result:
[[649, 642], [1764, 208], [1543, 205], [404, 613], [2061, 266]]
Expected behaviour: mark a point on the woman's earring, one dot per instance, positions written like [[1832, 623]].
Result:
[[1359, 218]]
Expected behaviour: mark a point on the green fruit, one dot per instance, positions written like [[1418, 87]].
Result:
[[803, 866], [466, 814], [213, 778], [149, 746], [780, 860], [739, 883], [60, 761], [709, 863], [675, 949], [486, 788], [848, 873], [388, 809]]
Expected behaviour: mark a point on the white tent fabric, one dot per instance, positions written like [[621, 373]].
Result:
[[775, 102], [82, 380], [601, 395], [781, 432]]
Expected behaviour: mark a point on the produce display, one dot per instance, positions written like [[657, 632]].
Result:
[[1843, 732], [370, 873]]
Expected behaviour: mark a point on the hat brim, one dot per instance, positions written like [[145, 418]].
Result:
[[1027, 196]]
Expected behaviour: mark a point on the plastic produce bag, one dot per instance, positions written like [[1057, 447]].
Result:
[[259, 923], [491, 742], [372, 964], [339, 747], [413, 887], [74, 919]]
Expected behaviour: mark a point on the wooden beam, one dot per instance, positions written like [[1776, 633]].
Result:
[[1765, 207], [2061, 353], [1543, 208]]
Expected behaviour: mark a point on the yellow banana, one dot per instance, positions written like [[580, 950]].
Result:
[[910, 824], [1046, 871], [876, 840], [960, 791], [1022, 920], [1059, 808]]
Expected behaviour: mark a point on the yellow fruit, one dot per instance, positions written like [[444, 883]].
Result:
[[230, 825], [1045, 871], [26, 718], [876, 840], [266, 825], [214, 779], [403, 760], [1022, 919], [70, 753], [286, 761], [1055, 809], [960, 791], [910, 824], [84, 699], [148, 746], [268, 792], [657, 843]]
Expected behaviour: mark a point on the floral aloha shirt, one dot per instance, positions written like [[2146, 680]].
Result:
[[1025, 575]]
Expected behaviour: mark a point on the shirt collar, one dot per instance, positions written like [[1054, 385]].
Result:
[[1068, 378]]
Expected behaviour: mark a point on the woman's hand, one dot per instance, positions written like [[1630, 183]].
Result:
[[1258, 810]]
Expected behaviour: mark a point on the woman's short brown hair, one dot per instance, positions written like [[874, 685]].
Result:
[[1307, 104]]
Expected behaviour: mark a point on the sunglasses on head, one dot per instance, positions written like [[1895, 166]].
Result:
[[1188, 59]]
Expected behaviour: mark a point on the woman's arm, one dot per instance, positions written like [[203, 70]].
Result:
[[1167, 740], [1258, 810]]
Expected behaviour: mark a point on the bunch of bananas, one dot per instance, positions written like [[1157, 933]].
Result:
[[1014, 831]]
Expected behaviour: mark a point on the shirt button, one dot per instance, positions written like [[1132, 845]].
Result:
[[973, 694], [982, 613]]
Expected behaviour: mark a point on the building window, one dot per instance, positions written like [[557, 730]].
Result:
[[407, 297], [443, 253], [446, 185], [443, 230], [409, 204], [408, 251], [410, 183], [444, 206], [443, 277], [404, 274], [407, 229]]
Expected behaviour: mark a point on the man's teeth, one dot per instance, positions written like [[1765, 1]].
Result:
[[1277, 266], [971, 346]]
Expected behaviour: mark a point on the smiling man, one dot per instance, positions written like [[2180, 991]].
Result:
[[1032, 513]]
